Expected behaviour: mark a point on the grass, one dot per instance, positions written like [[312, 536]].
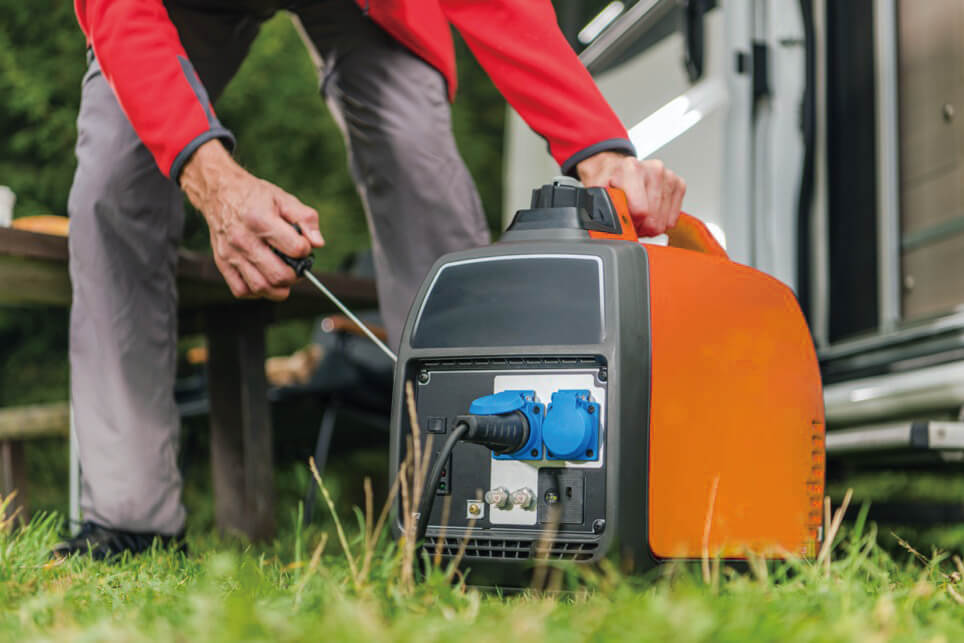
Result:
[[301, 587]]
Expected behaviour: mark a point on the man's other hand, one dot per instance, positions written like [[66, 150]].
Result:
[[248, 217], [653, 192]]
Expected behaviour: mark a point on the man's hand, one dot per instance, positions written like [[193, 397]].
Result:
[[248, 217], [654, 194]]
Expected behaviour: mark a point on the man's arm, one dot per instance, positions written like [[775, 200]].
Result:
[[141, 56], [520, 46]]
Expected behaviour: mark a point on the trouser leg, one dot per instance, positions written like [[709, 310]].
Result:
[[126, 223], [392, 108]]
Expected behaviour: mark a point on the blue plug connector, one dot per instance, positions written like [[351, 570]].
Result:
[[524, 402]]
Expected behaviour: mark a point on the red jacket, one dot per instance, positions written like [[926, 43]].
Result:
[[517, 42]]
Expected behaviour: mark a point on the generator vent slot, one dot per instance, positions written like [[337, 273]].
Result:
[[569, 550], [508, 549], [509, 363]]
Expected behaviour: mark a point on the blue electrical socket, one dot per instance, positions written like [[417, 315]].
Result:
[[570, 430], [508, 402]]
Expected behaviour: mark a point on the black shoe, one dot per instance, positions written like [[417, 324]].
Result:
[[102, 543]]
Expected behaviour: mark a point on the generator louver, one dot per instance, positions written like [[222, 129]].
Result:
[[504, 549]]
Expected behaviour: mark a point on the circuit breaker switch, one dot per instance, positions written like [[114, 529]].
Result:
[[498, 497], [523, 498]]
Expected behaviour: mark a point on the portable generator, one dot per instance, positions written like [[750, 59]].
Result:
[[588, 394]]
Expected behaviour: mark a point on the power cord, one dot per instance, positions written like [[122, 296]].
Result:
[[505, 433]]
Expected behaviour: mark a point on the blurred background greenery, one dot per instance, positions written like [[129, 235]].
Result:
[[284, 132]]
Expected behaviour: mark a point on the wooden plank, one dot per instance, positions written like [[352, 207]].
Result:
[[35, 421], [931, 62], [13, 477], [33, 271], [33, 282], [241, 448], [931, 92], [32, 245], [932, 285]]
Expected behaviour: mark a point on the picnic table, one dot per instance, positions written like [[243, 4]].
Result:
[[33, 272]]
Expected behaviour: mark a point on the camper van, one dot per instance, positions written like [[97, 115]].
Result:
[[822, 142]]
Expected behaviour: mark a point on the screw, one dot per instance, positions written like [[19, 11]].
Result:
[[948, 112], [588, 453], [423, 376], [598, 526], [537, 409], [591, 409], [603, 374], [534, 453]]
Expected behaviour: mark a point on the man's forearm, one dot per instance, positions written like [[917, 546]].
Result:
[[520, 46]]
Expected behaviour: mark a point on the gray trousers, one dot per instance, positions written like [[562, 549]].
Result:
[[127, 219]]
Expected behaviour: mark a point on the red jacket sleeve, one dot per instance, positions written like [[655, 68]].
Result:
[[141, 56], [519, 44]]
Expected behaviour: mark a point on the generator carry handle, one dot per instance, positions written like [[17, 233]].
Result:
[[689, 233]]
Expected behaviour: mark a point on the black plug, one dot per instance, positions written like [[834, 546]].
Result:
[[505, 433]]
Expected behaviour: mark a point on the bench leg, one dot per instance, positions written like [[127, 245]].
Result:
[[73, 515], [13, 477], [241, 447]]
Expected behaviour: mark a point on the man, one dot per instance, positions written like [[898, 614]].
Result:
[[147, 128]]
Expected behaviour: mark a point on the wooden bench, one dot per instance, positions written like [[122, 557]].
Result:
[[33, 272]]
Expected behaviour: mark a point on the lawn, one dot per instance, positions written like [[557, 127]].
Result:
[[301, 587]]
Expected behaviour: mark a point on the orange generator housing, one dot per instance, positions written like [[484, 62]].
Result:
[[695, 423], [736, 417]]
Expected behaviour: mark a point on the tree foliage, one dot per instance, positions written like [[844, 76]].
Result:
[[41, 62]]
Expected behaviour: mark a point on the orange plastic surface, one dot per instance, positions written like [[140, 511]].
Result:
[[689, 232], [736, 398]]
